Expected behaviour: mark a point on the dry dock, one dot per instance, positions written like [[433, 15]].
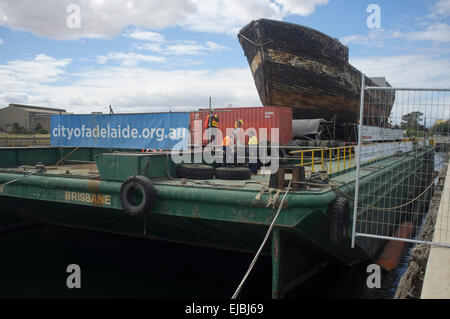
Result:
[[436, 284], [421, 264]]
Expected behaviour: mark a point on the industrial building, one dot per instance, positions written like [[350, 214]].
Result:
[[27, 117]]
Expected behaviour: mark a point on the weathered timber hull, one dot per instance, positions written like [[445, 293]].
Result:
[[295, 66]]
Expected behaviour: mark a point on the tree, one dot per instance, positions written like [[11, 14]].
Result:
[[16, 126], [411, 120], [441, 128], [410, 123], [38, 127], [17, 129]]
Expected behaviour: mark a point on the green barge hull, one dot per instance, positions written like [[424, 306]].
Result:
[[83, 191]]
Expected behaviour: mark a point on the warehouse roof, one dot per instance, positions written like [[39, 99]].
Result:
[[39, 109]]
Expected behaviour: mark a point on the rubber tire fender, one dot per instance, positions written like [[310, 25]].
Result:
[[195, 171], [339, 215], [233, 173], [127, 191], [283, 156]]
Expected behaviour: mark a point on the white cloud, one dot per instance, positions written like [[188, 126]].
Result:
[[142, 35], [126, 88], [1, 41], [99, 18], [129, 59], [154, 47], [41, 68], [437, 32], [407, 70], [441, 8], [155, 42], [19, 78], [228, 16], [375, 37], [106, 19], [193, 48], [302, 8]]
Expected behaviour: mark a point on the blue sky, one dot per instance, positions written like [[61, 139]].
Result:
[[150, 55]]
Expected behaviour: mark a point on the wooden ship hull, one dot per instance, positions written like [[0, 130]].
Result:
[[298, 67]]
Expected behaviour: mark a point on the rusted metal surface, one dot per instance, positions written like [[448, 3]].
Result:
[[269, 117], [281, 181], [301, 68], [76, 169], [298, 175]]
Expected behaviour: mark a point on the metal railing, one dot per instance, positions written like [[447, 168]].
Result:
[[395, 205], [332, 159], [24, 140], [339, 159]]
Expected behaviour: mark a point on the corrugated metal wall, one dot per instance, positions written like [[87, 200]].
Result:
[[253, 117]]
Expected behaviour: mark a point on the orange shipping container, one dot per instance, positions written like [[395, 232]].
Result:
[[268, 117]]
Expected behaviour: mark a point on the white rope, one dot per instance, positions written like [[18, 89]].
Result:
[[248, 39], [238, 290], [257, 44], [16, 180]]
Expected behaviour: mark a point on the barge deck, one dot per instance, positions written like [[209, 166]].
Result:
[[86, 191]]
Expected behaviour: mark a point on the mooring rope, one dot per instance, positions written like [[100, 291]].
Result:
[[64, 158], [238, 290], [17, 179], [257, 44], [248, 39], [396, 207]]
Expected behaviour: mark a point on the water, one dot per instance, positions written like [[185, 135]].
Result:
[[34, 263]]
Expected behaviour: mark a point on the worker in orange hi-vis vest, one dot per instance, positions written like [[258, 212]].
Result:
[[227, 151]]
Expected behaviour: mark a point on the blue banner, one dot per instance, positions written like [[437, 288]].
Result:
[[163, 131]]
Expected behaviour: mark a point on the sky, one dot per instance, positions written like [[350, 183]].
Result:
[[152, 55]]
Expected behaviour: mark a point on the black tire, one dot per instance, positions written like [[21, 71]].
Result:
[[283, 156], [292, 143], [233, 173], [195, 171], [127, 192], [339, 214], [262, 155]]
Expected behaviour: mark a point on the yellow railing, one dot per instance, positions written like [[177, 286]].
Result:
[[338, 158], [24, 140], [24, 136]]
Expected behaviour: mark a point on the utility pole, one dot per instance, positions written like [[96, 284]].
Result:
[[210, 106]]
